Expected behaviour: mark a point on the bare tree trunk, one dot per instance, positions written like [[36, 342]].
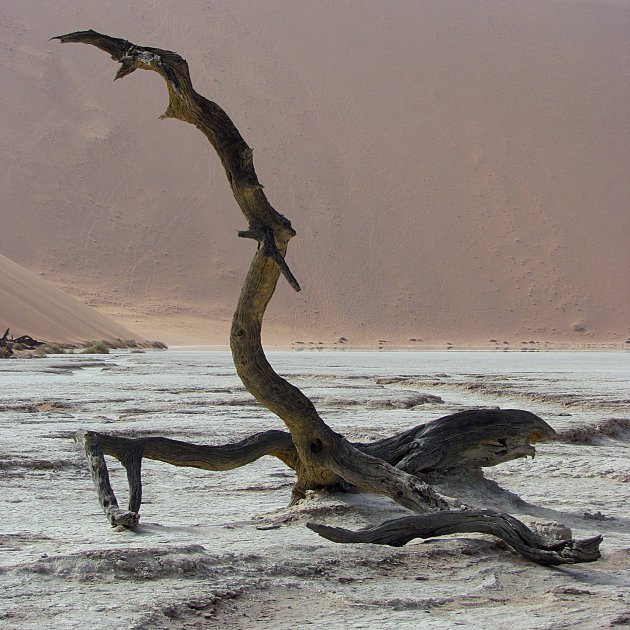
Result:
[[320, 457]]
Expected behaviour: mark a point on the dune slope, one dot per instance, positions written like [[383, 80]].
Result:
[[31, 306]]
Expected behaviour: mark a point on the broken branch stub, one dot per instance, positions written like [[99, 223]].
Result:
[[322, 456]]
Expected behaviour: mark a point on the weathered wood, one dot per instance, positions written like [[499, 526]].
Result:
[[7, 344], [399, 532], [131, 451], [323, 457], [100, 478], [479, 437], [218, 457]]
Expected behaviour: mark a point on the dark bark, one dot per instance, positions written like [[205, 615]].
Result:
[[452, 441], [7, 344], [399, 532], [477, 438], [29, 342], [325, 456], [104, 490], [320, 456]]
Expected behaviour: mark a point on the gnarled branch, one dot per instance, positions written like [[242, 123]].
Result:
[[130, 452]]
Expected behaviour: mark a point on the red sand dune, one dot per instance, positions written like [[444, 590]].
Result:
[[456, 171], [31, 306]]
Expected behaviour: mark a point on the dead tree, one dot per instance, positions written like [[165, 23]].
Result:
[[6, 345], [320, 457], [28, 342]]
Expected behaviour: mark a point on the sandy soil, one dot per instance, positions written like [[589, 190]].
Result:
[[456, 172]]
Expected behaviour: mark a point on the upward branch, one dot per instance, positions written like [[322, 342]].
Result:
[[266, 224]]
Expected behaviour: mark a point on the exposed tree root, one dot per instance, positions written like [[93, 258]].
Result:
[[454, 440], [400, 531]]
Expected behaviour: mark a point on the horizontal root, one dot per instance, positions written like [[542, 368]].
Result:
[[207, 457], [517, 535], [388, 467]]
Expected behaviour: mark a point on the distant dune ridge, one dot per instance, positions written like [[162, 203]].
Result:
[[31, 306], [456, 171]]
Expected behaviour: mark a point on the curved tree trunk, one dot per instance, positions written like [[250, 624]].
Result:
[[320, 457]]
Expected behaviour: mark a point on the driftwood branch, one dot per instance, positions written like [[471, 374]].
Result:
[[323, 457]]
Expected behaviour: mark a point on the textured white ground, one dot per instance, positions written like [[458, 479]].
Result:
[[222, 550]]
